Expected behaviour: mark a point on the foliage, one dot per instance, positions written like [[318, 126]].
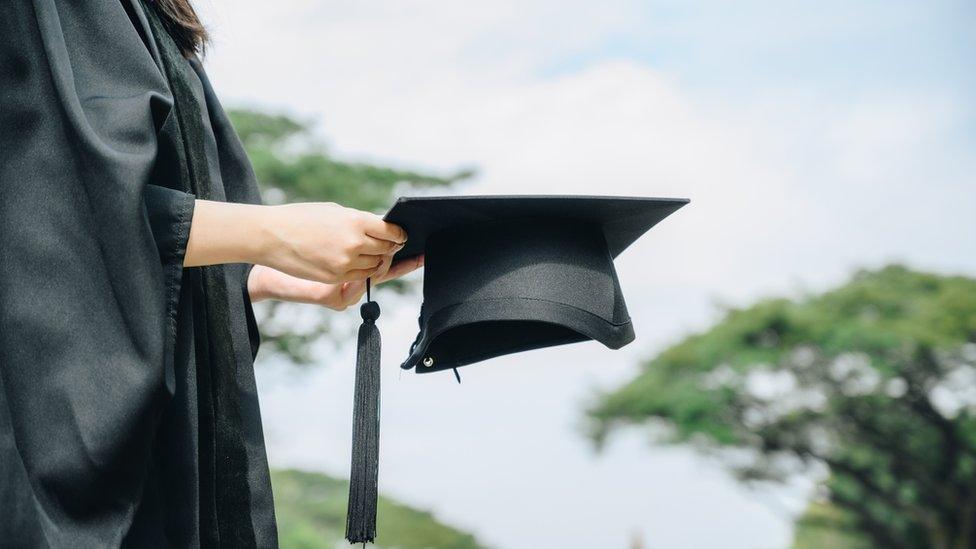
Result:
[[875, 380], [291, 166], [311, 513], [823, 525]]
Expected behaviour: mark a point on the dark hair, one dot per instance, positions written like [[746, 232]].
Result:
[[183, 25]]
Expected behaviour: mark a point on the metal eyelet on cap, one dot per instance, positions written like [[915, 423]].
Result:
[[429, 362]]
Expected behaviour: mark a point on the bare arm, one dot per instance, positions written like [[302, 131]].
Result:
[[226, 233], [313, 252]]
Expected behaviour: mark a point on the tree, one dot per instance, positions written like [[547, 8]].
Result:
[[874, 381], [311, 513], [291, 166], [824, 525]]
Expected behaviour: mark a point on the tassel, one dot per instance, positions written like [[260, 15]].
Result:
[[361, 513]]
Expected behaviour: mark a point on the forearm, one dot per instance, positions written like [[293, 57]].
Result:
[[310, 253], [318, 241], [223, 232]]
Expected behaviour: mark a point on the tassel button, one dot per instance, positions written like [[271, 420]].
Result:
[[370, 311]]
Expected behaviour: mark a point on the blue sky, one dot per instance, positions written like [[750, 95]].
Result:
[[845, 45], [814, 138]]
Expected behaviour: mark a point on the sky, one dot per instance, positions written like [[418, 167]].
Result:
[[813, 139]]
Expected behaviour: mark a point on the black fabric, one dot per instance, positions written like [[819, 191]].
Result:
[[231, 493], [509, 274], [116, 364], [623, 219]]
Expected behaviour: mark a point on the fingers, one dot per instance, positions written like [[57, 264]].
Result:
[[376, 246], [401, 268], [382, 269], [351, 292], [366, 262], [357, 275], [377, 228], [379, 275]]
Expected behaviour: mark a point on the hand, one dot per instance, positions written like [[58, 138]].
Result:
[[323, 242], [328, 243], [267, 283]]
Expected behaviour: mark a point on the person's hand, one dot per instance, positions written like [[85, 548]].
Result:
[[317, 241], [328, 243], [267, 283]]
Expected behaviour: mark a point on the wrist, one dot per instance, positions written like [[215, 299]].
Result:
[[259, 239], [223, 232]]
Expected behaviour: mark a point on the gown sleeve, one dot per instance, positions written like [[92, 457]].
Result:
[[170, 213], [92, 235]]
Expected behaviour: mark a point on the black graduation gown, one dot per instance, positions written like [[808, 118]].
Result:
[[110, 413]]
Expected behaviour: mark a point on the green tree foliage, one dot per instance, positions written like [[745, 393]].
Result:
[[874, 381], [311, 513], [292, 166], [825, 526]]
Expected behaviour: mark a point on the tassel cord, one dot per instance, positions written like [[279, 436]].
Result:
[[363, 477]]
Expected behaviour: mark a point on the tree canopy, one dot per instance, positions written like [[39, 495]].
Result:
[[311, 513], [874, 381], [291, 165]]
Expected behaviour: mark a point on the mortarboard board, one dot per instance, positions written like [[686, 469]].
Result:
[[502, 274]]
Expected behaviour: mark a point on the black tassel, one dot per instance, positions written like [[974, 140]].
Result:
[[361, 513]]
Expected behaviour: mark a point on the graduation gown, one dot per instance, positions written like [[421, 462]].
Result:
[[128, 411]]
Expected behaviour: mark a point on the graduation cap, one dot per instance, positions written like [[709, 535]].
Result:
[[502, 274]]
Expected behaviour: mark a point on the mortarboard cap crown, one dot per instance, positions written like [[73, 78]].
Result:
[[505, 274]]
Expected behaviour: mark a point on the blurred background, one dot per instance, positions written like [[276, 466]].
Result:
[[804, 373]]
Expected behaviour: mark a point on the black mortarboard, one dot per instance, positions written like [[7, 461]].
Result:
[[502, 274]]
